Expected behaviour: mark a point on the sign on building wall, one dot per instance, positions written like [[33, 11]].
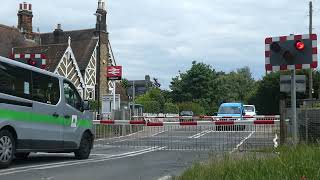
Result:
[[114, 72]]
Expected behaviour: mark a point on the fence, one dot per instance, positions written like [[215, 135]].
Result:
[[308, 124], [203, 135]]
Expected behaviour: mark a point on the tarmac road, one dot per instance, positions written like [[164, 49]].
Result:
[[151, 156]]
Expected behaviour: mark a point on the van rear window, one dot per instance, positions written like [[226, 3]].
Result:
[[15, 81], [24, 83]]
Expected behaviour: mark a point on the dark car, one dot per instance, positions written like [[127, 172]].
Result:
[[186, 116]]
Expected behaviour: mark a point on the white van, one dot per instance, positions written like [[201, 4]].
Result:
[[250, 110], [40, 112]]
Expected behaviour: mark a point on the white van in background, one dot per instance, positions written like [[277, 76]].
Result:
[[250, 110]]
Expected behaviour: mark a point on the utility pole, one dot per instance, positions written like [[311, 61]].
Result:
[[133, 96], [310, 32], [294, 106]]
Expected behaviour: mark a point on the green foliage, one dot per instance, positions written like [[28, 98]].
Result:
[[153, 101], [94, 105], [267, 95], [301, 162], [195, 84], [171, 108], [151, 106], [125, 83], [196, 108], [204, 86]]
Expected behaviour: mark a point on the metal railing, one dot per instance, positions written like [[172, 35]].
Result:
[[225, 135]]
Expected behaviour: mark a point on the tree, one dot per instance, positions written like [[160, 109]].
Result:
[[195, 84], [196, 108], [170, 108], [153, 101], [267, 95], [234, 87]]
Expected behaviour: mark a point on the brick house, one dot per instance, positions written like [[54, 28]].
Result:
[[73, 54]]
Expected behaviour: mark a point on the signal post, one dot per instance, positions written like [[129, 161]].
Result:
[[293, 53]]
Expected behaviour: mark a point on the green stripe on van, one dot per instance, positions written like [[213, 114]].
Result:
[[41, 118]]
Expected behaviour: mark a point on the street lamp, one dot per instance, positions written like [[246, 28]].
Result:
[[98, 15]]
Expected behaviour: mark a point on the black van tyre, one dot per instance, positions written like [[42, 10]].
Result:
[[85, 147], [7, 145], [24, 155]]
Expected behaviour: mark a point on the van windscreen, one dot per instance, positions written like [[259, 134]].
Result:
[[229, 110]]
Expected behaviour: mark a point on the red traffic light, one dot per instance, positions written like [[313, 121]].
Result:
[[299, 45], [31, 62]]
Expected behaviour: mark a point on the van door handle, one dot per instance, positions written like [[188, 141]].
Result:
[[67, 116], [55, 115]]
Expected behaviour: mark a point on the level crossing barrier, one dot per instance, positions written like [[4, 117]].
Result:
[[215, 134]]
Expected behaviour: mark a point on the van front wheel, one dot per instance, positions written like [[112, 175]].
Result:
[[7, 148], [85, 147]]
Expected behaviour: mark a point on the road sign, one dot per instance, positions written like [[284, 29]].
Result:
[[291, 52], [285, 83], [36, 60], [114, 72]]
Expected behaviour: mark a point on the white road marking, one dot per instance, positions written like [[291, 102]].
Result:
[[119, 137], [157, 133], [240, 144], [196, 136], [69, 163], [207, 132], [165, 178]]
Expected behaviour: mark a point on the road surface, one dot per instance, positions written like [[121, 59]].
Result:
[[149, 156]]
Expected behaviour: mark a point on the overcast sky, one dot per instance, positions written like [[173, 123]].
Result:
[[161, 37]]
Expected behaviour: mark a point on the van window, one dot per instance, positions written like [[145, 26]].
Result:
[[45, 88], [15, 81], [229, 110], [72, 96]]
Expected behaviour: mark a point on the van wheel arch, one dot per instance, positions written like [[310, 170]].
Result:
[[12, 131], [86, 144]]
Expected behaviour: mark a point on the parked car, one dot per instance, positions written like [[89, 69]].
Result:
[[186, 116], [250, 110]]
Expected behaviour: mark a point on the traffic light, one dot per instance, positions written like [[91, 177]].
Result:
[[291, 52]]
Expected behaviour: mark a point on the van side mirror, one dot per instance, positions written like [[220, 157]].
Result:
[[86, 105]]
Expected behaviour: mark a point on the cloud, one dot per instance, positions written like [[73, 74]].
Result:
[[161, 37]]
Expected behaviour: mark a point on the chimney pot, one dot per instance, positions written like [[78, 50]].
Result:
[[59, 26], [25, 6]]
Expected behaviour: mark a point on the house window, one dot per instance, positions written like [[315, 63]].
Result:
[[90, 95]]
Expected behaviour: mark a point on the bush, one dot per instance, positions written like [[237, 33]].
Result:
[[196, 108], [171, 108], [151, 106]]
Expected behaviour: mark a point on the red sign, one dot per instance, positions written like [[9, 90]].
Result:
[[114, 72]]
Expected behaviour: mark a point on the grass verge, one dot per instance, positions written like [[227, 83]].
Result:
[[301, 162]]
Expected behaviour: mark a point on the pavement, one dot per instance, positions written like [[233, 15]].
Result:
[[156, 154]]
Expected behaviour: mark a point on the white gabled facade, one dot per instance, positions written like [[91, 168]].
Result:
[[68, 67], [90, 76]]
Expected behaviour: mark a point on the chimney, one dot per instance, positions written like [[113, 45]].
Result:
[[58, 34], [101, 13], [25, 19]]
